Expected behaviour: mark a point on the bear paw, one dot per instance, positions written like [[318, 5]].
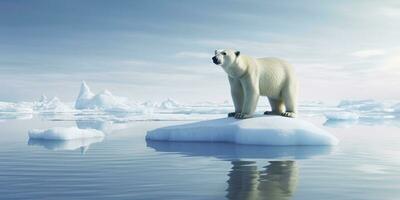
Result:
[[271, 113], [289, 114], [242, 116], [231, 114]]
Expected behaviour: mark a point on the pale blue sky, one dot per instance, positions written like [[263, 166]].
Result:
[[159, 49]]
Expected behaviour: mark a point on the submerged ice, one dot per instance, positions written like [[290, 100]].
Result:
[[62, 133], [263, 130]]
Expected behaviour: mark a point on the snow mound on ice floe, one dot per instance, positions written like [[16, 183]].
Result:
[[102, 101], [53, 105], [263, 130], [61, 133], [341, 115]]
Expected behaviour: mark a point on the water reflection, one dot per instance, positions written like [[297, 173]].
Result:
[[277, 181], [229, 151], [55, 145], [104, 126]]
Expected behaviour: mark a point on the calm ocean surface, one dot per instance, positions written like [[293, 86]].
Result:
[[365, 165]]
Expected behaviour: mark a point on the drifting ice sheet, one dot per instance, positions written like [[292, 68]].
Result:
[[61, 133], [264, 130], [342, 115]]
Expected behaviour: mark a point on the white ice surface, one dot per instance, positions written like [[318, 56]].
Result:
[[61, 133], [263, 130], [341, 115]]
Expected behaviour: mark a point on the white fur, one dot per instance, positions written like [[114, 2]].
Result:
[[250, 78]]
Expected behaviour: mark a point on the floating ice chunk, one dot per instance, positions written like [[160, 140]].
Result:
[[341, 115], [61, 133], [54, 105], [263, 130], [102, 101]]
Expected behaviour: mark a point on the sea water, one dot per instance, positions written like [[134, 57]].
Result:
[[123, 165]]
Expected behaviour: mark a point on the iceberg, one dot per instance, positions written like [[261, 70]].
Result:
[[169, 104], [53, 105], [104, 101], [341, 115], [262, 130], [62, 133]]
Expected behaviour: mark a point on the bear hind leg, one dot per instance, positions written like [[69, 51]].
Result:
[[276, 106], [289, 99]]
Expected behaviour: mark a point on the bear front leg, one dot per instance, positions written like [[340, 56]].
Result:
[[251, 96], [237, 96]]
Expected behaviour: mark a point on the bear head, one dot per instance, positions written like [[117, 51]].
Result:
[[225, 57]]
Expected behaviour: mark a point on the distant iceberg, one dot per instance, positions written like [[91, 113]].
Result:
[[169, 104], [341, 115], [61, 133], [263, 130], [23, 107], [53, 105], [104, 101]]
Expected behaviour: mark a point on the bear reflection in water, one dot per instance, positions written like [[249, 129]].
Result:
[[277, 181]]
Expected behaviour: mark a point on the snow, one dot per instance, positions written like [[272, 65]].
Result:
[[341, 115], [61, 133], [262, 130], [104, 100]]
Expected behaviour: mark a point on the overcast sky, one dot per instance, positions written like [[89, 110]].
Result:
[[152, 50]]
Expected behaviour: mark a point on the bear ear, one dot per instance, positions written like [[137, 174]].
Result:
[[237, 53]]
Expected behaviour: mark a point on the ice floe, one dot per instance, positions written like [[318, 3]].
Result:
[[62, 133], [362, 105], [341, 115], [263, 130]]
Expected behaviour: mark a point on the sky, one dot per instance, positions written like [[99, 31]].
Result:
[[153, 50]]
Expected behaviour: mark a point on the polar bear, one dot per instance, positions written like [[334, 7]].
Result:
[[251, 77]]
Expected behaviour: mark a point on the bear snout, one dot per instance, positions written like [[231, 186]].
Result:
[[215, 60]]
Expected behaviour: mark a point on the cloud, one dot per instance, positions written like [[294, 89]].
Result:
[[190, 54], [368, 53], [391, 11]]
